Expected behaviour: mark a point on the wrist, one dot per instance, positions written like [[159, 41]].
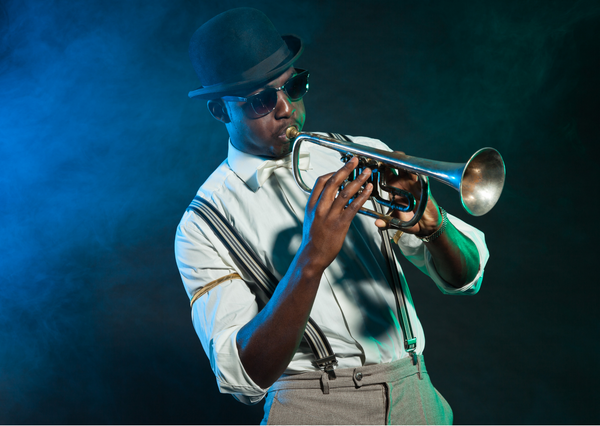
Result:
[[428, 238], [310, 262]]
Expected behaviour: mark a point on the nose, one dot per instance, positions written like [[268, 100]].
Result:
[[284, 107]]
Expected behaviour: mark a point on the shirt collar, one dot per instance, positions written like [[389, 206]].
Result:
[[251, 168]]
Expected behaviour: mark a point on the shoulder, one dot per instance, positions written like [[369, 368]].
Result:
[[221, 181], [218, 181]]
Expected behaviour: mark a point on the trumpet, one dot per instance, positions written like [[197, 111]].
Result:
[[479, 181]]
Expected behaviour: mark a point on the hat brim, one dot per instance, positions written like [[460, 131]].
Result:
[[216, 91]]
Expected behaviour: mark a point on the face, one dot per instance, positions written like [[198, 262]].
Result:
[[265, 136]]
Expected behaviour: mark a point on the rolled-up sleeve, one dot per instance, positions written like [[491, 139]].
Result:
[[218, 315], [416, 252]]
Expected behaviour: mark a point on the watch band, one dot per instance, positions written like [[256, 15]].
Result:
[[439, 231]]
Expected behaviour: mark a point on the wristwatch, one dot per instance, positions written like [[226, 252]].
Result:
[[439, 231]]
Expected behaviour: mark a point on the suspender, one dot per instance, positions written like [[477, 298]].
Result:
[[410, 341], [325, 359], [401, 293]]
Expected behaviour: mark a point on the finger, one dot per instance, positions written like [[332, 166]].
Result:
[[430, 216], [380, 223], [356, 204], [408, 183], [402, 180], [315, 194], [350, 190], [335, 181], [405, 177]]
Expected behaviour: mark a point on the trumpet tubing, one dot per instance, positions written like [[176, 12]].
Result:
[[479, 181]]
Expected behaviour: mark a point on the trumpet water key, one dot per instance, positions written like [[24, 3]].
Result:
[[479, 181]]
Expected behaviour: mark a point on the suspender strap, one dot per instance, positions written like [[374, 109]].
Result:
[[410, 341], [401, 293], [245, 257]]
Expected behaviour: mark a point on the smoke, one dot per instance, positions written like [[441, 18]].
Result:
[[100, 152], [85, 160]]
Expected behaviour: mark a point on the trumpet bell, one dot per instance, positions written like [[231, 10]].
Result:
[[482, 181]]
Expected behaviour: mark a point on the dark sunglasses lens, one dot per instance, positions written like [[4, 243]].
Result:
[[297, 87], [264, 102]]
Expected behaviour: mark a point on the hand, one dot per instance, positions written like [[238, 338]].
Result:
[[276, 331], [328, 216], [431, 219]]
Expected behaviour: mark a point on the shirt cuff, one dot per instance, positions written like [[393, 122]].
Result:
[[231, 375], [416, 252]]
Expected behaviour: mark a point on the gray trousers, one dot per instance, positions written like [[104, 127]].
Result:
[[396, 393]]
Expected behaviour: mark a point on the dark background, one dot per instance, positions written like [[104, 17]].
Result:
[[101, 152]]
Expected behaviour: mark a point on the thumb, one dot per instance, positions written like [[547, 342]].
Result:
[[381, 224]]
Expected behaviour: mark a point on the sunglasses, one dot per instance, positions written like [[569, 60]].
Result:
[[265, 101]]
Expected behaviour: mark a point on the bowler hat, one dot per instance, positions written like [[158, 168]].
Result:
[[239, 50]]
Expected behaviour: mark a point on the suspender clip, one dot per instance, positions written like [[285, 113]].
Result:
[[327, 364]]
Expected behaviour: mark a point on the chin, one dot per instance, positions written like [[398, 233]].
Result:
[[280, 154], [286, 150], [280, 149]]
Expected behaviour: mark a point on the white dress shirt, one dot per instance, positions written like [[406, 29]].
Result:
[[354, 306]]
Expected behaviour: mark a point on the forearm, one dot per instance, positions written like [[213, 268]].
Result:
[[268, 342], [455, 257]]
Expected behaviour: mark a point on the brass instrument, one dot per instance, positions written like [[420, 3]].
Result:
[[479, 181]]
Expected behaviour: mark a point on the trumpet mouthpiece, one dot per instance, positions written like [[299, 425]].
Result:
[[291, 132]]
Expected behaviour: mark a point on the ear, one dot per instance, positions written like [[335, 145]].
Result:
[[218, 110]]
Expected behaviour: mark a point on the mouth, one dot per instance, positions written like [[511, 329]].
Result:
[[281, 134]]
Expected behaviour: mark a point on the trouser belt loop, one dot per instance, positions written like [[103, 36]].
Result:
[[325, 382], [416, 361]]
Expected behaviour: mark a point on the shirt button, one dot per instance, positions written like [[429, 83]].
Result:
[[358, 376]]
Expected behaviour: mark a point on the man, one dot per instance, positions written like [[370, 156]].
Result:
[[327, 258]]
